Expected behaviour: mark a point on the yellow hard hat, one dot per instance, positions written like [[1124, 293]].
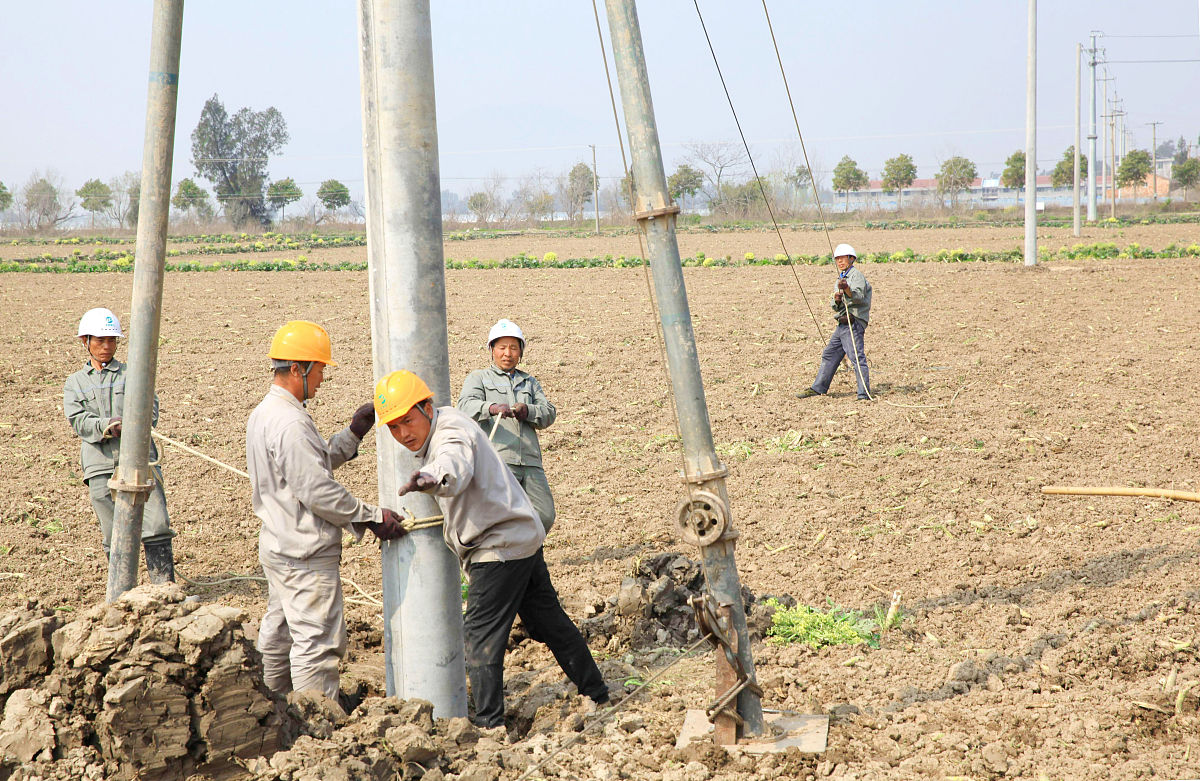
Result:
[[396, 394], [301, 340]]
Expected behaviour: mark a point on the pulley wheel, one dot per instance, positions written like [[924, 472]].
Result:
[[702, 518]]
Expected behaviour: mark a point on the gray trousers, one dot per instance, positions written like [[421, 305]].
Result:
[[839, 346], [533, 480], [302, 636], [156, 526]]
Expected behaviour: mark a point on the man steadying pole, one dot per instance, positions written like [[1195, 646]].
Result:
[[490, 524], [304, 512]]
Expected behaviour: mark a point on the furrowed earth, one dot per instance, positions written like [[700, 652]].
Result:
[[1049, 636]]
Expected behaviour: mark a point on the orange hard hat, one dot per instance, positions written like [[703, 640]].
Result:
[[396, 394], [301, 340]]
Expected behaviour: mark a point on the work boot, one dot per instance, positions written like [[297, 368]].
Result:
[[160, 561], [807, 393]]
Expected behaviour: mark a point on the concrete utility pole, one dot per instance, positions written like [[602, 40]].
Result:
[[595, 189], [1112, 160], [1154, 155], [1106, 181], [422, 602], [1031, 139], [1074, 197], [1091, 209], [704, 474], [134, 478]]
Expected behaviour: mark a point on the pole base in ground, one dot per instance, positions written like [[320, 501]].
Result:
[[785, 729]]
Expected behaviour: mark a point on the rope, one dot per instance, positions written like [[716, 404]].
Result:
[[757, 178], [1159, 493], [608, 712], [198, 454]]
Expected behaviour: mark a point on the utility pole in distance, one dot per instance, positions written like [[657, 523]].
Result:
[[595, 189], [1031, 139], [1091, 211], [1075, 194], [1154, 155]]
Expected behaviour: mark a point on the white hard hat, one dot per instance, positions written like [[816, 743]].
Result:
[[506, 328], [845, 249], [99, 322]]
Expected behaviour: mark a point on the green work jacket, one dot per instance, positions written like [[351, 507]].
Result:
[[91, 399], [860, 296], [516, 441]]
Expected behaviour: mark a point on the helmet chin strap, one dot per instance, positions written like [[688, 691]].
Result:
[[88, 346], [304, 377]]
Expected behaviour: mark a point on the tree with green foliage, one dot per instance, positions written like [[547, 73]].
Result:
[[1134, 168], [333, 195], [898, 173], [1181, 151], [848, 176], [685, 182], [95, 196], [1013, 176], [232, 152], [956, 174], [480, 204], [628, 188], [580, 185], [6, 198], [1187, 174], [281, 193], [192, 198], [1063, 174]]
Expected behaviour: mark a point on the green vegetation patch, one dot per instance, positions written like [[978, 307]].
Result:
[[814, 628]]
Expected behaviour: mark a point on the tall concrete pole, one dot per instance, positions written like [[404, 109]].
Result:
[[1112, 163], [1091, 209], [595, 189], [1078, 109], [704, 473], [1031, 139], [134, 478], [1106, 182], [422, 604], [1154, 155]]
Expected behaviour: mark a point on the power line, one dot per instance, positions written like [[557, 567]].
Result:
[[1129, 62]]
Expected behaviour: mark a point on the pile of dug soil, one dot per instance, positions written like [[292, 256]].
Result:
[[651, 608], [149, 685]]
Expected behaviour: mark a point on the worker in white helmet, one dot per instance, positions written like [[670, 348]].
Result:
[[851, 305], [94, 401], [504, 397]]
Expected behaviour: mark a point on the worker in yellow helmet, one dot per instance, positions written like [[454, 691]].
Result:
[[304, 511], [497, 535]]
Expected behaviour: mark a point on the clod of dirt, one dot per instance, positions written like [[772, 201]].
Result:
[[149, 686], [650, 609]]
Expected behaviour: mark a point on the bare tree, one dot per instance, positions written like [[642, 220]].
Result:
[[44, 202], [717, 161], [126, 189], [500, 205]]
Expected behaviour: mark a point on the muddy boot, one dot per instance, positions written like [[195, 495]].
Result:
[[160, 561]]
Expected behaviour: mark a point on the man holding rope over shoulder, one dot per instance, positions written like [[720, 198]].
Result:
[[495, 532], [304, 512], [853, 294]]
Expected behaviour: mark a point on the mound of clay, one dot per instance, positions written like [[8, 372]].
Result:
[[651, 608], [148, 686]]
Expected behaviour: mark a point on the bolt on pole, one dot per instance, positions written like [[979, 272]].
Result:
[[1075, 192], [1091, 197], [1031, 139], [656, 215], [134, 478], [422, 602]]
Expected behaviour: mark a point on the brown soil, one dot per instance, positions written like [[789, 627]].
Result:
[[1071, 614]]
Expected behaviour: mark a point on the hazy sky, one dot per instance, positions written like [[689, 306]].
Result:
[[520, 85]]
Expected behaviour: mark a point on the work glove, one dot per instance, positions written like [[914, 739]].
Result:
[[418, 481], [837, 297], [520, 411], [844, 286], [364, 418], [391, 528], [113, 431], [503, 410]]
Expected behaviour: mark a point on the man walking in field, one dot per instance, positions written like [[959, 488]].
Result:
[[492, 527], [304, 512], [852, 293]]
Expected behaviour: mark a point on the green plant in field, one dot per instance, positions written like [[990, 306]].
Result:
[[814, 628], [790, 442], [740, 450]]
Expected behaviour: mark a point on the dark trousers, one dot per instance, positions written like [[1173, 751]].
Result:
[[841, 344], [497, 592]]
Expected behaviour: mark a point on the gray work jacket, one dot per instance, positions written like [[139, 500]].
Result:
[[487, 516], [302, 507], [516, 441], [860, 298], [91, 399]]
